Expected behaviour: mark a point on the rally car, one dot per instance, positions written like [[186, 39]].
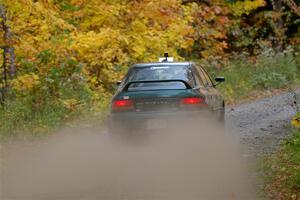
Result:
[[152, 94]]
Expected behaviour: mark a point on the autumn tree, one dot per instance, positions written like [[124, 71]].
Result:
[[107, 37]]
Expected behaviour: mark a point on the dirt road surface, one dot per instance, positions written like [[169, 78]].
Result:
[[261, 124], [185, 162]]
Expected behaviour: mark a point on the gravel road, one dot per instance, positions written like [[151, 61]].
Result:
[[261, 124]]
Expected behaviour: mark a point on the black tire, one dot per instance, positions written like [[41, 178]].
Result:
[[117, 128], [221, 115], [119, 131]]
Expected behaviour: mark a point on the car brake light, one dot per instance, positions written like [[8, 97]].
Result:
[[192, 101], [123, 105]]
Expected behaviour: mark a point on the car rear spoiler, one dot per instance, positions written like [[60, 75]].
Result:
[[187, 85]]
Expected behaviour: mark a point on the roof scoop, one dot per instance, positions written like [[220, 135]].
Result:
[[166, 58]]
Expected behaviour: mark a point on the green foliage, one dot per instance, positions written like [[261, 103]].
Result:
[[275, 70], [270, 70], [18, 117], [44, 101]]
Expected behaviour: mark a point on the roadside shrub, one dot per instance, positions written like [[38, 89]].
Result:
[[275, 70], [40, 102], [19, 117], [269, 70]]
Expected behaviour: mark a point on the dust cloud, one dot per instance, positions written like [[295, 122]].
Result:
[[185, 162]]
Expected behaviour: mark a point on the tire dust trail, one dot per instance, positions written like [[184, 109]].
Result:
[[182, 163]]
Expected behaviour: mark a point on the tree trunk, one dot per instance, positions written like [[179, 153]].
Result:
[[8, 65], [279, 26], [3, 81], [9, 52]]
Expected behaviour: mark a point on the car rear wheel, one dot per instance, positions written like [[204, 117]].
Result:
[[118, 128], [221, 116]]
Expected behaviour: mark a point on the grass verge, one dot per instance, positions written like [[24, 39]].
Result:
[[18, 118], [282, 171]]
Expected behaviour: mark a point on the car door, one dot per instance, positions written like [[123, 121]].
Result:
[[201, 84], [216, 97], [213, 96]]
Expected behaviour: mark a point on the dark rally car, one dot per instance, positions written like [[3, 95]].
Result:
[[153, 94]]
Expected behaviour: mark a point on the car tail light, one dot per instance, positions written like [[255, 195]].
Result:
[[193, 101], [121, 105]]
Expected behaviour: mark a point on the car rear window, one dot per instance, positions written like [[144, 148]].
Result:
[[160, 73]]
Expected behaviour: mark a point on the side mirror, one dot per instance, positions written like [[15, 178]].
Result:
[[119, 83], [220, 79]]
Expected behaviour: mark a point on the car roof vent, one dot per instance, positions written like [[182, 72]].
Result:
[[166, 58]]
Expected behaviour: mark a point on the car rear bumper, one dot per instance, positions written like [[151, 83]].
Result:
[[141, 120], [147, 115]]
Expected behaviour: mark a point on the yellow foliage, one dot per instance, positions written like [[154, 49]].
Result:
[[108, 36], [71, 104], [26, 83], [245, 7], [126, 33], [99, 51]]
